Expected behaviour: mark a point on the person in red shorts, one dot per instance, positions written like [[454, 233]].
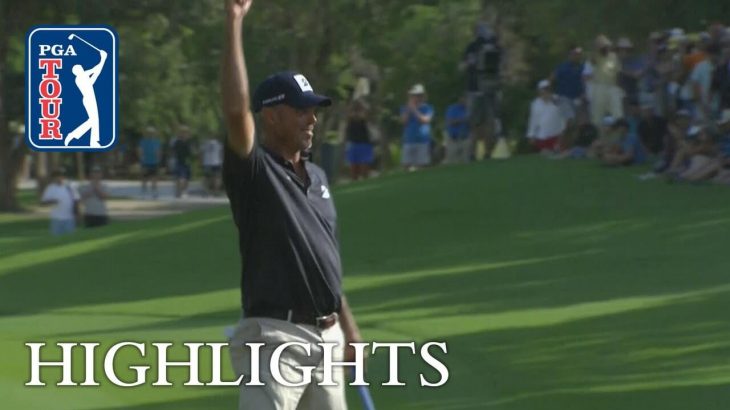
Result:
[[547, 121]]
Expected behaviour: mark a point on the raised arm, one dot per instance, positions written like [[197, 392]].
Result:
[[94, 72], [234, 81], [423, 118]]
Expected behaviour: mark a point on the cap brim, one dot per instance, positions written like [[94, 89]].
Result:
[[310, 99]]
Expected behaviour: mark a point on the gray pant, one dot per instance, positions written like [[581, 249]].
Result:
[[273, 396]]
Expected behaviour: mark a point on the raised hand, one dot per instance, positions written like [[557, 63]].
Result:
[[238, 8]]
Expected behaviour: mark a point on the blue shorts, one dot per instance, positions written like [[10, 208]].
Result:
[[62, 226], [358, 153]]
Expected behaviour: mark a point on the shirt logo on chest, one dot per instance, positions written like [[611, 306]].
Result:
[[325, 192]]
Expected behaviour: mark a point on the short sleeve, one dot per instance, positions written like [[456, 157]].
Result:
[[74, 192], [48, 194]]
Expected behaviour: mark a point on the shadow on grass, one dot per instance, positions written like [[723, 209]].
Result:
[[220, 318], [179, 255], [23, 228], [555, 286], [669, 357]]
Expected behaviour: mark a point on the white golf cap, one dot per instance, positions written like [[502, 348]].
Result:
[[608, 120], [603, 41], [543, 84], [417, 89]]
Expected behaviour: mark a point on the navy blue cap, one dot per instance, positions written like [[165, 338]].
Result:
[[288, 88]]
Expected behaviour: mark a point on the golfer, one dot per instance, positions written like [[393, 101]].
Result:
[[85, 80], [291, 274]]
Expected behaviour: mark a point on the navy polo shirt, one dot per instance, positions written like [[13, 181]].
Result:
[[286, 232], [569, 79]]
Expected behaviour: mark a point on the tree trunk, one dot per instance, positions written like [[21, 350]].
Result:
[[8, 167]]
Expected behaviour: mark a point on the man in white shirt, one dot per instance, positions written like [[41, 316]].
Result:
[[64, 197], [547, 121], [212, 159]]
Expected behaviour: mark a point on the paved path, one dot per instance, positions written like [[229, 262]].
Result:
[[129, 203]]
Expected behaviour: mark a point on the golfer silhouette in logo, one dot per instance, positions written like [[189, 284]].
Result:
[[85, 80]]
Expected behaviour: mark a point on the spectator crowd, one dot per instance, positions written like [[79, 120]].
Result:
[[665, 104], [668, 103]]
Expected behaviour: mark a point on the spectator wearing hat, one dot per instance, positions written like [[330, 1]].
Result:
[[93, 197], [699, 84], [416, 118], [605, 93], [547, 123], [568, 83], [64, 198], [630, 150]]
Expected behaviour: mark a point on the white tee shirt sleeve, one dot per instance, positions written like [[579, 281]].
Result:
[[49, 194], [64, 195], [587, 69], [74, 192]]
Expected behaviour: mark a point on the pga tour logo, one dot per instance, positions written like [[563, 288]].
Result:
[[71, 88]]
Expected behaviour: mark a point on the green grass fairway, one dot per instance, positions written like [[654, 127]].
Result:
[[557, 285]]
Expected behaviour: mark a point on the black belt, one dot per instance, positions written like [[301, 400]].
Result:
[[321, 322]]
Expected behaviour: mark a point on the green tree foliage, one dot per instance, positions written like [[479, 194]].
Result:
[[170, 51]]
